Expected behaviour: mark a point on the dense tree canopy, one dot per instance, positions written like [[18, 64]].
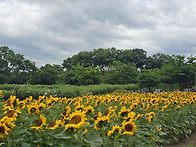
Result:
[[111, 66], [14, 66]]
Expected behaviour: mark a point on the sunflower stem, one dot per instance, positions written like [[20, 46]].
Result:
[[154, 132], [8, 141], [129, 141], [115, 138], [102, 135]]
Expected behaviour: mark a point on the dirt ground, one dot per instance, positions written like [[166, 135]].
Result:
[[188, 142]]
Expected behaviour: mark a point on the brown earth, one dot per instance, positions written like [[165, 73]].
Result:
[[188, 142]]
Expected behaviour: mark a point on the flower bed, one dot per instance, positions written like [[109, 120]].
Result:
[[117, 119]]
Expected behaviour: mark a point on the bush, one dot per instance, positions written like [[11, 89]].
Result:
[[23, 91]]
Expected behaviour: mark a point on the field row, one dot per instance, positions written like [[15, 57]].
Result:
[[116, 119]]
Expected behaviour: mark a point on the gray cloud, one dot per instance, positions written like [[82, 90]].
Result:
[[50, 31]]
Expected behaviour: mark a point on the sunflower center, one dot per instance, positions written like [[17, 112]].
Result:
[[8, 102], [128, 127], [38, 122], [153, 102], [75, 119], [124, 113], [33, 109], [101, 123], [2, 129], [52, 124], [10, 113]]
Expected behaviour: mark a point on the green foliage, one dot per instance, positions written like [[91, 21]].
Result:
[[120, 73], [110, 66], [80, 75], [14, 66], [23, 91], [148, 78]]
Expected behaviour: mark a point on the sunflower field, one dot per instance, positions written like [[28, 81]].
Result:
[[116, 119]]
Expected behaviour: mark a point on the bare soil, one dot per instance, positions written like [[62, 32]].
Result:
[[188, 142]]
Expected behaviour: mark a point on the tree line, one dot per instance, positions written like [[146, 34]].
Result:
[[109, 66]]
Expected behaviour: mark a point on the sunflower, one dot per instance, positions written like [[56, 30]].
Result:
[[66, 112], [130, 116], [76, 120], [138, 116], [147, 107], [12, 114], [79, 107], [0, 92], [150, 116], [40, 106], [115, 130], [39, 123], [11, 103], [8, 121], [129, 128], [101, 122], [32, 108], [178, 107], [21, 105], [4, 130], [142, 106], [54, 125], [159, 128], [124, 112], [154, 101], [89, 109]]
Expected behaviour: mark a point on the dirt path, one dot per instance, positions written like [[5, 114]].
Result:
[[188, 142]]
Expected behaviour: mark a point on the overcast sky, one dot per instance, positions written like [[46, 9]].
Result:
[[48, 31]]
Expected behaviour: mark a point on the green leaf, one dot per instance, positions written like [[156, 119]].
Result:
[[93, 139], [162, 133], [62, 135], [24, 144], [19, 131], [1, 144]]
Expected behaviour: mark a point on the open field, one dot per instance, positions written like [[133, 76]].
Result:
[[116, 119]]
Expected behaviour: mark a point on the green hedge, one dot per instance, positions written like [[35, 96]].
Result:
[[23, 91]]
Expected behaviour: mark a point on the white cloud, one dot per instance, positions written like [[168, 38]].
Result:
[[49, 31]]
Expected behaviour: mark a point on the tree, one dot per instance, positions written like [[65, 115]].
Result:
[[120, 73], [11, 65], [136, 56], [80, 75], [178, 71], [148, 78], [47, 74], [156, 61], [83, 57]]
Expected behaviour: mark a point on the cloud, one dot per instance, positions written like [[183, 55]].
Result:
[[50, 31]]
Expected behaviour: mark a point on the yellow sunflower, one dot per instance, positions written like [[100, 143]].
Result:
[[39, 123], [138, 116], [4, 130], [101, 122], [159, 128], [32, 108], [129, 128], [66, 112], [0, 92], [150, 116], [154, 101], [76, 120], [54, 125], [115, 131], [124, 112], [12, 114], [8, 121], [89, 109], [11, 103], [79, 107]]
